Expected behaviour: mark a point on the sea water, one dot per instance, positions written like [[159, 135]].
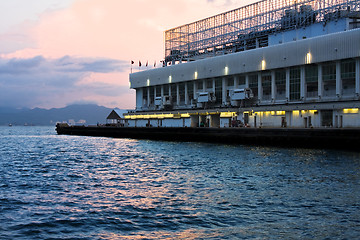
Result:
[[74, 187]]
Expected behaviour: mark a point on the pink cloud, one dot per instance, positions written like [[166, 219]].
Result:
[[111, 29]]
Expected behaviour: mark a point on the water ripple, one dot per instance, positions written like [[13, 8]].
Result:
[[69, 187]]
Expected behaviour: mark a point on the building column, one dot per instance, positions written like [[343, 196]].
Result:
[[246, 81], [236, 82], [287, 85], [357, 77], [162, 91], [260, 89], [148, 96], [139, 98], [320, 81], [224, 84], [338, 79], [204, 85], [186, 94], [213, 85], [195, 89], [273, 86], [302, 83], [177, 95], [155, 93]]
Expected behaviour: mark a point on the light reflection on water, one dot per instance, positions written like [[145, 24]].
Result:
[[103, 188]]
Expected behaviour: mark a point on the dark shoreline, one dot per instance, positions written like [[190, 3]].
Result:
[[327, 138]]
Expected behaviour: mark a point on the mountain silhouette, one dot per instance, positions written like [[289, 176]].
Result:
[[77, 113]]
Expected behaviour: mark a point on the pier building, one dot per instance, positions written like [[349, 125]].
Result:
[[274, 63]]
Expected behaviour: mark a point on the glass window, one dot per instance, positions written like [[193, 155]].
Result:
[[329, 72], [295, 83], [190, 88], [348, 69], [311, 73], [218, 90], [253, 84], [242, 80], [209, 83], [230, 82]]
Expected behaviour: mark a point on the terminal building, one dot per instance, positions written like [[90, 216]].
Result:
[[274, 63]]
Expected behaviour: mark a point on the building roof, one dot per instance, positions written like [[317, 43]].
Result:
[[116, 114], [330, 47]]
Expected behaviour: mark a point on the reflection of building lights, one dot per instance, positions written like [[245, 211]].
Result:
[[263, 65], [195, 75], [308, 58], [226, 70], [148, 82], [170, 79]]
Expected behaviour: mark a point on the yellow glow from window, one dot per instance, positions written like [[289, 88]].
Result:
[[263, 65], [195, 75], [148, 82], [296, 113], [226, 70], [170, 79], [185, 115], [308, 58], [168, 115], [351, 110], [227, 114]]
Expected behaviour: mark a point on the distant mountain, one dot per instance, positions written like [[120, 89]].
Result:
[[86, 114]]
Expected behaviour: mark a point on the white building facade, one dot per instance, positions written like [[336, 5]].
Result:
[[304, 77]]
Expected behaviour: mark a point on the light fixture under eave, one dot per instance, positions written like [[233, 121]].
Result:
[[263, 65], [308, 58], [170, 79], [196, 75], [226, 70], [148, 82]]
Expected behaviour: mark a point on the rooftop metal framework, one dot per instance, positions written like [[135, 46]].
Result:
[[238, 29]]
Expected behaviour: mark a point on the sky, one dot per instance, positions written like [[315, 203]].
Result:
[[54, 53]]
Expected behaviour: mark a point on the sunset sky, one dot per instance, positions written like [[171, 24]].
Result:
[[59, 52]]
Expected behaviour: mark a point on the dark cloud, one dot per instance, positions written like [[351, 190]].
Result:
[[39, 81], [89, 65], [20, 66]]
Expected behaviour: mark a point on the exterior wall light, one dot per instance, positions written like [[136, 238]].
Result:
[[148, 82], [308, 58], [263, 65], [196, 75], [170, 79], [226, 70]]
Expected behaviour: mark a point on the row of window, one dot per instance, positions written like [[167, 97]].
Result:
[[347, 73]]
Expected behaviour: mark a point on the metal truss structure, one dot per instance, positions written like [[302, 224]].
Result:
[[248, 27]]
